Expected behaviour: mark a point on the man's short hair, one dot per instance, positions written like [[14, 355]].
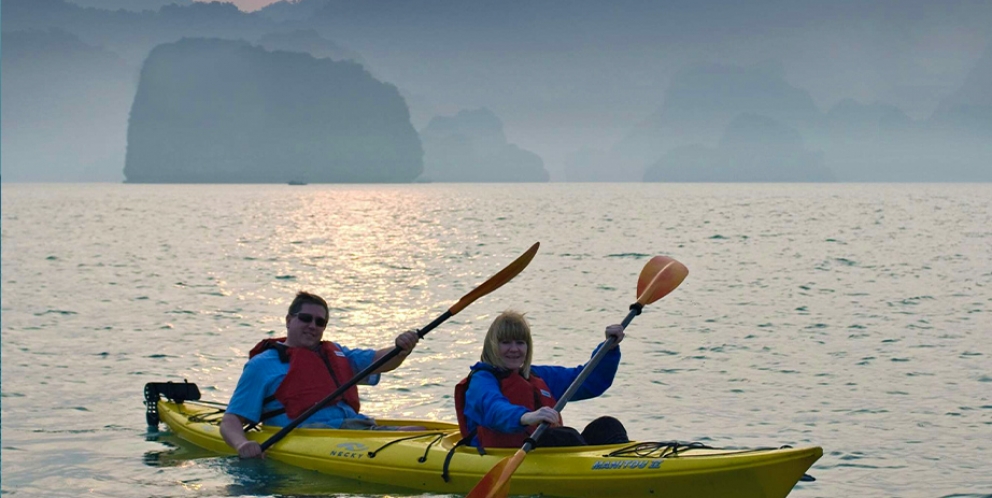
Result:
[[304, 297]]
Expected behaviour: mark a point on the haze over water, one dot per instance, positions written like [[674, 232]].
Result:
[[854, 317]]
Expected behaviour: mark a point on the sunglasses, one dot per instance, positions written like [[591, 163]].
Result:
[[307, 318]]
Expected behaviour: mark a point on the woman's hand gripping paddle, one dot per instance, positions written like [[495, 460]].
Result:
[[659, 276], [494, 282]]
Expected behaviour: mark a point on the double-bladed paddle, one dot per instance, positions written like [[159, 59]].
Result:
[[494, 282], [659, 276]]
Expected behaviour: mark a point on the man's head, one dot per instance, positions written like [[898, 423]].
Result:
[[306, 321]]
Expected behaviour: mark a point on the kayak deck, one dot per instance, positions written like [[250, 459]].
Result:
[[415, 459]]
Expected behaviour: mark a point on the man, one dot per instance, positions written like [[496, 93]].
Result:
[[285, 377]]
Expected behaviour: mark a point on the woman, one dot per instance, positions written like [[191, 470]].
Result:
[[505, 398]]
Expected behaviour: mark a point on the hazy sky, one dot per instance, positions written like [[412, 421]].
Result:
[[576, 82], [246, 5]]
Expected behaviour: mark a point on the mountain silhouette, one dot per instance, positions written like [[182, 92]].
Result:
[[219, 111], [64, 108], [471, 147], [131, 5], [308, 41], [753, 148], [700, 104]]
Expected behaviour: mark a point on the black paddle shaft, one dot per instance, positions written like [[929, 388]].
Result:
[[347, 385], [635, 309]]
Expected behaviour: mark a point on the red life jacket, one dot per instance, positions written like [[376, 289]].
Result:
[[530, 393], [311, 376]]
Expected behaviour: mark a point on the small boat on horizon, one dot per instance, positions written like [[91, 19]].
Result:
[[295, 182]]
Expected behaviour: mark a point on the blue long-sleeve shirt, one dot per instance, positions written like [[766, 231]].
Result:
[[485, 404]]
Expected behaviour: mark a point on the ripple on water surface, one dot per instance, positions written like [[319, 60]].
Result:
[[843, 316]]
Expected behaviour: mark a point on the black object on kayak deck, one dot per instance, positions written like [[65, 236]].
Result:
[[173, 391]]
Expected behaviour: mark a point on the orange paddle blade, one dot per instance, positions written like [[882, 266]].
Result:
[[496, 482], [659, 276], [496, 281]]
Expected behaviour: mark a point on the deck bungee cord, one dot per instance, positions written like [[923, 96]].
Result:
[[664, 449], [670, 449], [212, 418], [438, 436]]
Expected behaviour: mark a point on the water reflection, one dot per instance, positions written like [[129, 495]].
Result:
[[265, 477], [176, 452], [366, 252]]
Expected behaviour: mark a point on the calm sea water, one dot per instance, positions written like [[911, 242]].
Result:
[[854, 317]]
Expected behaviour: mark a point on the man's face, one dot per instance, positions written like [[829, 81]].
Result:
[[302, 330]]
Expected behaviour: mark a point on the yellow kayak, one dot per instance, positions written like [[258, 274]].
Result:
[[417, 460]]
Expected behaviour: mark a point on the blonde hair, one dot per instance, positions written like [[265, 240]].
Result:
[[508, 326]]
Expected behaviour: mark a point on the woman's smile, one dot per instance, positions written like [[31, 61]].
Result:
[[513, 353]]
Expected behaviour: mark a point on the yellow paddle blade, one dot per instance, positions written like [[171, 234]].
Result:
[[659, 276], [496, 482], [496, 281]]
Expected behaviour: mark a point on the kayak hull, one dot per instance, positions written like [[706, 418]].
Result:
[[414, 459]]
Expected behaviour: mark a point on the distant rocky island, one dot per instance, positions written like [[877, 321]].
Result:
[[64, 108], [220, 111], [471, 147], [754, 149], [724, 123]]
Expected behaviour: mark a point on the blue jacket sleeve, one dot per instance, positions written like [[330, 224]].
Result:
[[559, 378], [485, 405]]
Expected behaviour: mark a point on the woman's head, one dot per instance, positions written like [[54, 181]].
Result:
[[508, 343]]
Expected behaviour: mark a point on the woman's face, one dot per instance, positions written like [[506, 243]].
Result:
[[513, 353]]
